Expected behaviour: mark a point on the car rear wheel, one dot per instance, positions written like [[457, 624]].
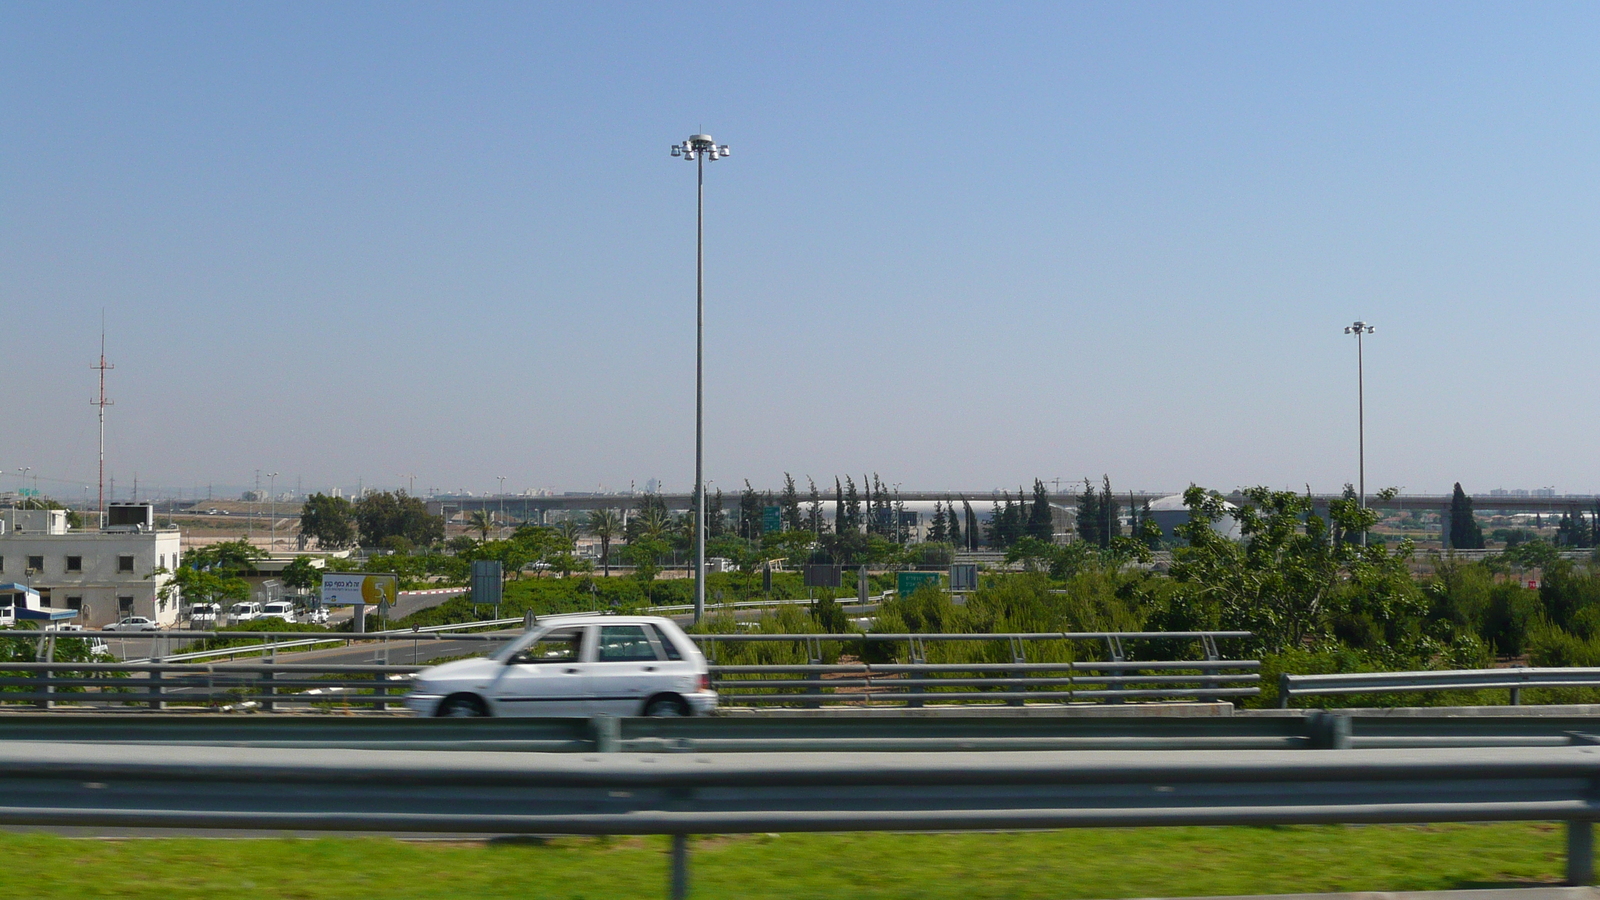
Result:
[[666, 707], [462, 706]]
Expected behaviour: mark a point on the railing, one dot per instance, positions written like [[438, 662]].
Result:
[[1513, 680], [1132, 728], [270, 684], [63, 784]]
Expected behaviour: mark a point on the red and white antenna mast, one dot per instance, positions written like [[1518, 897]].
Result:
[[102, 403]]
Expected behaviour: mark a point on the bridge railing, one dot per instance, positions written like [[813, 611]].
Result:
[[1513, 680]]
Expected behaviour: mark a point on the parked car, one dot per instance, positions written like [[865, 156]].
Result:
[[244, 611], [132, 623], [317, 616], [205, 615], [278, 609], [575, 666]]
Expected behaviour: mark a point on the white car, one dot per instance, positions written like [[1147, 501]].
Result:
[[278, 609], [575, 666], [132, 623]]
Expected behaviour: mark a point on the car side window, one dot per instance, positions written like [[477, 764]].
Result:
[[564, 645], [667, 646], [625, 643]]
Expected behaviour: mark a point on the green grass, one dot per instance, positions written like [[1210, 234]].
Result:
[[1089, 863]]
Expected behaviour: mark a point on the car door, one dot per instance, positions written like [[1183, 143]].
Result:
[[546, 678], [626, 670]]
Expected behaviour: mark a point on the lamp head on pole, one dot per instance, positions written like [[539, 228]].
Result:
[[1359, 327], [698, 145]]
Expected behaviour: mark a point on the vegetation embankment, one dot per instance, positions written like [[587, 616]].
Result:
[[1087, 863], [1310, 585]]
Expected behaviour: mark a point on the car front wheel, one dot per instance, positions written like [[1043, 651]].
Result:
[[462, 706]]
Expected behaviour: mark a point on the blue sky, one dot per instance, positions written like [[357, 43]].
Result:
[[961, 245]]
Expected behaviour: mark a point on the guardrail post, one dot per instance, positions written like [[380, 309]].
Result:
[[381, 691], [1580, 852], [607, 733], [45, 673], [155, 687], [1283, 690], [1516, 696], [1208, 644], [1114, 650], [680, 867], [918, 657], [268, 691], [814, 680], [1329, 730], [1019, 655]]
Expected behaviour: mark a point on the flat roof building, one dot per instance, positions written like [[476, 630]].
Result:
[[105, 574]]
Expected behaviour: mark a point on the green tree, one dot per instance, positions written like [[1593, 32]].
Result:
[[1040, 525], [1089, 517], [330, 520], [230, 557], [605, 524], [482, 521], [1288, 581], [953, 528], [938, 530], [1465, 533], [301, 575], [813, 508], [382, 514], [789, 502], [852, 506]]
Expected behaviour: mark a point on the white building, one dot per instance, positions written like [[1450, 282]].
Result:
[[105, 574]]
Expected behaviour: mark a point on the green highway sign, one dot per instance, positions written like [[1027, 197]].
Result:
[[771, 519], [906, 583]]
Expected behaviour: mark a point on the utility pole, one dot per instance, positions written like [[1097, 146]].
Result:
[[102, 403]]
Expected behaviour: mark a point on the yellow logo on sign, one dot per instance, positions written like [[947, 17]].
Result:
[[378, 588]]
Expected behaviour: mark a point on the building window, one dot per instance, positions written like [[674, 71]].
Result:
[[162, 560], [125, 563], [125, 606], [36, 563], [74, 564], [75, 603], [2, 563]]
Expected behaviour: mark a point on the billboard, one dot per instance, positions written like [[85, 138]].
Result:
[[352, 588]]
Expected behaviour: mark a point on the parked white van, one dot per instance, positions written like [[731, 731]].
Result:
[[278, 609], [247, 611], [205, 615]]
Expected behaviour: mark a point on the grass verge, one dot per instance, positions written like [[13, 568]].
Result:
[[1087, 863]]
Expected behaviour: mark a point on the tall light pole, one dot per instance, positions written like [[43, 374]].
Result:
[[272, 508], [502, 499], [1359, 328], [698, 149]]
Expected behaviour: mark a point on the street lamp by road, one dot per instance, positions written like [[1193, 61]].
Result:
[[502, 499], [1359, 328], [698, 149], [272, 508]]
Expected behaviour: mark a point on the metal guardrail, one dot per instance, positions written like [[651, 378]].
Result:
[[1513, 680], [66, 784], [951, 732]]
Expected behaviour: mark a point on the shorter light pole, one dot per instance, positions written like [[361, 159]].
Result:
[[1359, 328], [502, 500], [272, 508]]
